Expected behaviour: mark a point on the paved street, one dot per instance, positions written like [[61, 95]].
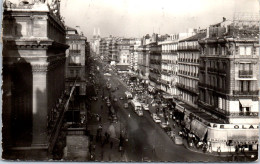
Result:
[[146, 140]]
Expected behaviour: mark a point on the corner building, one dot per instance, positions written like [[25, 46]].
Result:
[[33, 79], [228, 86]]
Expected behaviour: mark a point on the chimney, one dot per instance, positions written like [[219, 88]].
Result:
[[78, 29], [207, 32]]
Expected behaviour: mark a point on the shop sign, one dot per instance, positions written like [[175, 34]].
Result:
[[235, 126]]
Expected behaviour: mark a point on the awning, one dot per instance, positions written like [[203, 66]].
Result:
[[245, 102], [167, 96], [217, 135], [248, 136], [198, 128], [179, 107]]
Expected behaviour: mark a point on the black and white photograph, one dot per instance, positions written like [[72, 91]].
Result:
[[130, 80]]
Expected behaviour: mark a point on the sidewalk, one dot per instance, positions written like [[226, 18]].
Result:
[[176, 129]]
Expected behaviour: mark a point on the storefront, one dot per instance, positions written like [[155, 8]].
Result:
[[231, 140]]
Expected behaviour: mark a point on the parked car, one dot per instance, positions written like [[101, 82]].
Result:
[[156, 118], [139, 112], [121, 98], [154, 115], [163, 125], [178, 140], [107, 74], [115, 99], [145, 106]]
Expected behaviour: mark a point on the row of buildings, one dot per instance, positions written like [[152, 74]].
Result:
[[43, 66], [118, 51], [211, 76]]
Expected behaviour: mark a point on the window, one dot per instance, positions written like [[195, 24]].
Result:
[[77, 72], [71, 72], [242, 50], [248, 50]]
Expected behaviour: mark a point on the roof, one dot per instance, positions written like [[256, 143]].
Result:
[[195, 37], [70, 28]]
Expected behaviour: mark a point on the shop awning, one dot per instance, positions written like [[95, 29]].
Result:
[[244, 135], [179, 107], [198, 128], [217, 135], [245, 102], [167, 96]]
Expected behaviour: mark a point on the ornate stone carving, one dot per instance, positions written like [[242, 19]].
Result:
[[40, 68], [230, 48], [55, 7]]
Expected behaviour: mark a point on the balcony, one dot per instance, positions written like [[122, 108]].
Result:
[[74, 51], [187, 88], [245, 73], [75, 64], [246, 93], [242, 114]]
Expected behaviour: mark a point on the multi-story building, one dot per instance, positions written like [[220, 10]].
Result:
[[33, 80], [124, 51], [188, 73], [169, 75], [75, 64], [155, 62], [155, 67], [134, 54], [95, 42], [113, 51], [143, 59], [229, 71]]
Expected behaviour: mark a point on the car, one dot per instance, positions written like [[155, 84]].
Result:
[[157, 120], [105, 98], [145, 106], [115, 99], [178, 140], [126, 105], [154, 115], [163, 125], [139, 113], [121, 98]]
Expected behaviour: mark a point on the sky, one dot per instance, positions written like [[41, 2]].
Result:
[[136, 18]]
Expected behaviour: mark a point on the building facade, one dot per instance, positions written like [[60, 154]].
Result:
[[170, 67], [229, 74], [76, 59], [33, 79], [188, 64]]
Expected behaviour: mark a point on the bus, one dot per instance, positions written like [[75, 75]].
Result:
[[137, 107]]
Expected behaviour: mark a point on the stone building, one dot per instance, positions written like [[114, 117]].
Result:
[[169, 65], [228, 86], [33, 79], [188, 73], [143, 59], [76, 58]]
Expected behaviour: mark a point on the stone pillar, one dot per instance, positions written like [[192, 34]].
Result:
[[40, 105]]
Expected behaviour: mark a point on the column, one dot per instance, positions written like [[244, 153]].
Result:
[[40, 108]]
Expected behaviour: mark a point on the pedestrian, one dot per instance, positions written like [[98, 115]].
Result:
[[111, 144]]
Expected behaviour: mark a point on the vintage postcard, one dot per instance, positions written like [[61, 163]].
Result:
[[130, 80]]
